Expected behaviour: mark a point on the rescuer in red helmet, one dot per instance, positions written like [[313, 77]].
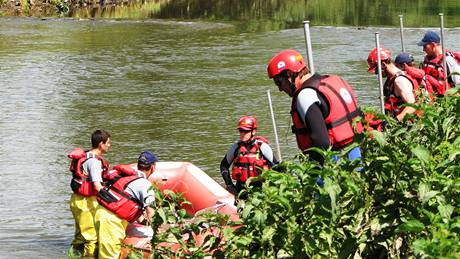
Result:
[[400, 88], [323, 106], [248, 157]]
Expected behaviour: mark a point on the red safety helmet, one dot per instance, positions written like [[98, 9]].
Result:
[[285, 60], [385, 55], [247, 123]]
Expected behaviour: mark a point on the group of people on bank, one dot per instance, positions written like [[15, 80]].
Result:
[[323, 111], [324, 107]]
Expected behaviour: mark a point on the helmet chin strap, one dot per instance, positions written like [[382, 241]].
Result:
[[292, 82], [251, 138]]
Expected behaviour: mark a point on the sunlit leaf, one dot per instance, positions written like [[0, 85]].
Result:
[[445, 211], [413, 226], [379, 137], [425, 193], [422, 153], [259, 217]]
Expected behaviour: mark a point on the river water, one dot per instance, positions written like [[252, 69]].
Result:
[[176, 88]]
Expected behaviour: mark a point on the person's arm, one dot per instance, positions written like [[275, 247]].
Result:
[[149, 201], [453, 67], [404, 89], [267, 153], [94, 169], [225, 168], [308, 106], [319, 136], [149, 213]]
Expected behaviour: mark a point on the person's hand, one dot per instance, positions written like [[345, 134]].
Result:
[[231, 189]]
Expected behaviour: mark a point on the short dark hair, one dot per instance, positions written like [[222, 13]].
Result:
[[144, 167], [99, 136]]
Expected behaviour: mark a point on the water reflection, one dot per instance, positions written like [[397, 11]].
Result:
[[261, 15]]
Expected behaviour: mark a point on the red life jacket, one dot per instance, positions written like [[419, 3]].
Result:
[[433, 67], [454, 54], [249, 161], [80, 183], [392, 102], [342, 111], [120, 171], [422, 80], [117, 200]]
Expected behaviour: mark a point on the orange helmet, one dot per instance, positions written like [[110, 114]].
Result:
[[285, 60], [247, 123], [385, 55]]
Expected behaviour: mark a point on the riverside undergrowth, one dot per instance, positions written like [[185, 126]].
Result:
[[402, 200]]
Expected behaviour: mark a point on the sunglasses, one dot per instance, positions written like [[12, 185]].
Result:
[[279, 79], [243, 131]]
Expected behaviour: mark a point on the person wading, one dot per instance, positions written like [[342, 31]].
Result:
[[88, 168], [248, 157], [399, 88], [323, 106], [405, 62], [126, 198], [432, 64]]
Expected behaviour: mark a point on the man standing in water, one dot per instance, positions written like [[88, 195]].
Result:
[[405, 62], [88, 168], [249, 156], [399, 88], [323, 107], [432, 64]]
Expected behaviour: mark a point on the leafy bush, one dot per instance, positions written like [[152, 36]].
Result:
[[178, 235], [406, 202]]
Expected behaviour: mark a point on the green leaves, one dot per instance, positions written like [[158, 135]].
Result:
[[411, 226], [406, 202], [425, 193], [379, 137], [422, 153]]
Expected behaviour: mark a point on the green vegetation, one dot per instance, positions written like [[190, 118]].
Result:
[[62, 8], [405, 204], [261, 15], [279, 14], [25, 7]]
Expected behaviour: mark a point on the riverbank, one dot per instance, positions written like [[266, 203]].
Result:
[[60, 8]]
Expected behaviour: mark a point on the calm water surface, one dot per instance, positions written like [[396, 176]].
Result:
[[176, 88]]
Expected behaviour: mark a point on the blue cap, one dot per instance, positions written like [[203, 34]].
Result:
[[147, 158], [429, 37], [404, 58]]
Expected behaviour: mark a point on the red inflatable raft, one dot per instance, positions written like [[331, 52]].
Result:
[[195, 185]]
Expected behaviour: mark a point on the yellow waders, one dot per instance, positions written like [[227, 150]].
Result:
[[111, 230], [83, 210]]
